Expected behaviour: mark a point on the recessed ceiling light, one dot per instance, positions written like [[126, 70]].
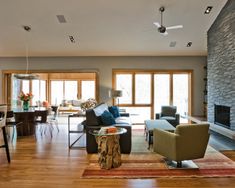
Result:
[[61, 18], [189, 44], [172, 43], [208, 10]]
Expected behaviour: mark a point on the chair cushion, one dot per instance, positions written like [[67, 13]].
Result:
[[107, 118], [167, 118], [114, 110]]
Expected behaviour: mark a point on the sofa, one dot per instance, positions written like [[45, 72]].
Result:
[[70, 106], [94, 122]]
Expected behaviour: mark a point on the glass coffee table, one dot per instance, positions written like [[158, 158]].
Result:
[[109, 155]]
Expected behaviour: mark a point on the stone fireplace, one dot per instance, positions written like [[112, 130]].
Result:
[[221, 68]]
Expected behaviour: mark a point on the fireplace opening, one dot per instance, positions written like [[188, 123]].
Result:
[[222, 115]]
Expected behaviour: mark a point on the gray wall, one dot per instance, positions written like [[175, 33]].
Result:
[[221, 62], [104, 66]]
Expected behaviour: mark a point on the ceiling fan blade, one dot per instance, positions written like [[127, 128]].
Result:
[[157, 24], [174, 27]]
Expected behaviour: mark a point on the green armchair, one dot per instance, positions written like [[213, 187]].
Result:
[[169, 113], [186, 143]]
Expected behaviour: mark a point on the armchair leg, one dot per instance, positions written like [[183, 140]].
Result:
[[187, 164]]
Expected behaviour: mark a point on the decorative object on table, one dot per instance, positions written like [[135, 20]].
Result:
[[117, 94], [25, 97], [27, 76], [45, 104], [88, 104]]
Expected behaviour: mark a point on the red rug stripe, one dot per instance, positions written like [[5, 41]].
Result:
[[137, 173]]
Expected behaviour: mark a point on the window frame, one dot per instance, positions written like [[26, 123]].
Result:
[[152, 72]]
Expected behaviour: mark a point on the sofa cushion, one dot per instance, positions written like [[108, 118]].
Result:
[[115, 111], [91, 118], [107, 118], [100, 109], [122, 120]]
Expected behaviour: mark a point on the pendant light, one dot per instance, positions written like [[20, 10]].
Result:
[[27, 76]]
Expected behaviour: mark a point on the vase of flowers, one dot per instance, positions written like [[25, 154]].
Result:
[[25, 97]]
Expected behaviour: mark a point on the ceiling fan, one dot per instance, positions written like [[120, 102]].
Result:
[[161, 28]]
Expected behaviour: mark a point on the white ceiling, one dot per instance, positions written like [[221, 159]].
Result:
[[104, 27]]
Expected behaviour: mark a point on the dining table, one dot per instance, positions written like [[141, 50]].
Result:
[[28, 119]]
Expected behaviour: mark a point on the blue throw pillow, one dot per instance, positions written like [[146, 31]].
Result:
[[107, 118], [115, 111]]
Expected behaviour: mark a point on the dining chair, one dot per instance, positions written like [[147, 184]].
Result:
[[12, 123], [42, 123], [3, 115], [53, 117]]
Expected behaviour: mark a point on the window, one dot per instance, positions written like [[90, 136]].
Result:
[[180, 93], [15, 93], [161, 91], [39, 91], [25, 86], [57, 92], [142, 88], [88, 89], [124, 83], [167, 88], [70, 90]]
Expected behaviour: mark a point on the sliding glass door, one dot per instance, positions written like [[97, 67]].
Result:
[[145, 92], [161, 91], [181, 93]]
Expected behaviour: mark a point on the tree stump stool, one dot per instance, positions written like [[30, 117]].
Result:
[[109, 151]]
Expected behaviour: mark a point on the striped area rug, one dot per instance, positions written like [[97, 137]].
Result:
[[214, 164]]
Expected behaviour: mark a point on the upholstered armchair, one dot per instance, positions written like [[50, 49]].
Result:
[[169, 113], [186, 143]]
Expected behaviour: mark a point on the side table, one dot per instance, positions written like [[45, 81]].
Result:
[[108, 148]]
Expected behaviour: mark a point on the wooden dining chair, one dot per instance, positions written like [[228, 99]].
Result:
[[3, 115]]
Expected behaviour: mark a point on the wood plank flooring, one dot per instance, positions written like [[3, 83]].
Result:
[[47, 162]]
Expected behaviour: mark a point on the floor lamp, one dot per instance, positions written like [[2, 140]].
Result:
[[117, 94]]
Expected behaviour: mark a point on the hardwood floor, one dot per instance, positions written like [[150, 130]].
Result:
[[47, 162]]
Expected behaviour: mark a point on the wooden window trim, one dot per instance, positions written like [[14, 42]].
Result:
[[152, 72]]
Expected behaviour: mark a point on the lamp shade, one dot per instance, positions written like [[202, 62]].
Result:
[[117, 93]]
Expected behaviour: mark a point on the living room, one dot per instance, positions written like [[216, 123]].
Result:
[[148, 51]]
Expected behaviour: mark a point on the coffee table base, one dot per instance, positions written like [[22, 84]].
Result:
[[109, 151]]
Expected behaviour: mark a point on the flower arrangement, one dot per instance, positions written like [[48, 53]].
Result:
[[25, 96], [90, 103]]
